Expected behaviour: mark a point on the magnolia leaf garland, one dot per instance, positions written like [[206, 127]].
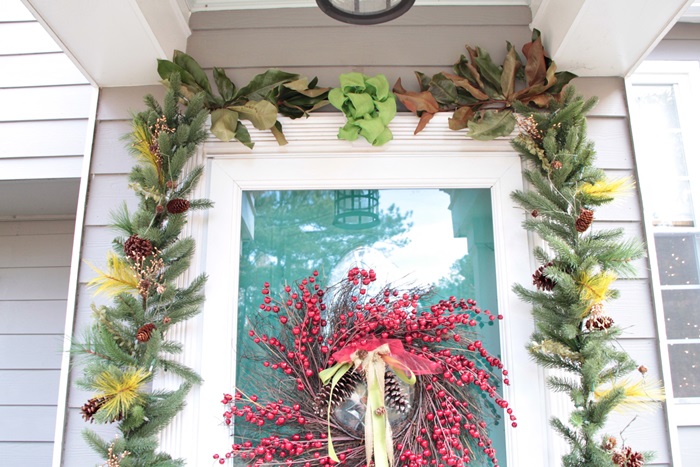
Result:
[[480, 94], [268, 94]]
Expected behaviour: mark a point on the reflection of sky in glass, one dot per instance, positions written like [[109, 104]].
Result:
[[432, 247]]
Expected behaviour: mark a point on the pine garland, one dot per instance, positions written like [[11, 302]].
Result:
[[128, 340], [573, 332]]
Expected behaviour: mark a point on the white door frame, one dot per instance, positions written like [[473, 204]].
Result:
[[315, 159]]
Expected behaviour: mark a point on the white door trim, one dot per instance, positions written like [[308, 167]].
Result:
[[433, 159]]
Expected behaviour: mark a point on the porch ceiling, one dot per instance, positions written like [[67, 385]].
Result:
[[116, 43]]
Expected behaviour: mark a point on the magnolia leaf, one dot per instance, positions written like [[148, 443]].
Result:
[[511, 64], [443, 89], [265, 83], [416, 101], [278, 134], [460, 118], [190, 64], [224, 123], [352, 82], [378, 87], [492, 124], [536, 89], [489, 71], [465, 84], [297, 85], [225, 86], [540, 100], [562, 79], [535, 67], [262, 114], [318, 105], [423, 80], [466, 70], [423, 122], [167, 68], [361, 104], [243, 137], [386, 109], [312, 92]]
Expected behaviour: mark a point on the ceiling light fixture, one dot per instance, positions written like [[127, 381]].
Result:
[[364, 11]]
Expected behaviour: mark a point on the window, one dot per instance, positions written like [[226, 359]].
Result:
[[664, 116]]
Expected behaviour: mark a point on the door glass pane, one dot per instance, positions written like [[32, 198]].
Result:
[[424, 237], [685, 369]]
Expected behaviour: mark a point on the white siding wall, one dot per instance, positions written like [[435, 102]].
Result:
[[43, 124], [110, 163], [45, 101], [34, 272], [246, 43]]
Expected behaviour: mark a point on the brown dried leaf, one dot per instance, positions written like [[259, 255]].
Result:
[[465, 84], [416, 101], [511, 64], [460, 118], [424, 119], [535, 68]]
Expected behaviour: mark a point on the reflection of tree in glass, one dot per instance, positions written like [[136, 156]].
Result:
[[294, 235]]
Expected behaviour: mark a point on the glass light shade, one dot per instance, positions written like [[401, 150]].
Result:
[[364, 11]]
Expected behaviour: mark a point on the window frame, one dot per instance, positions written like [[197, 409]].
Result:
[[437, 158], [685, 77]]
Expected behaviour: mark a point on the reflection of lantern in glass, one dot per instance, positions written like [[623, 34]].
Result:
[[398, 397], [356, 209]]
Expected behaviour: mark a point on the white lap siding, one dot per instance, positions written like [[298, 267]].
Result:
[[43, 127]]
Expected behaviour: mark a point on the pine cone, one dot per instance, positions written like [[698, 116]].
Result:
[[556, 165], [628, 458], [584, 220], [342, 391], [394, 395], [90, 408], [541, 280], [609, 443], [137, 248], [535, 213], [635, 459], [177, 206], [144, 332], [599, 323]]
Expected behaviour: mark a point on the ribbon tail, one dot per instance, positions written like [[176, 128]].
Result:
[[377, 412], [338, 373]]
